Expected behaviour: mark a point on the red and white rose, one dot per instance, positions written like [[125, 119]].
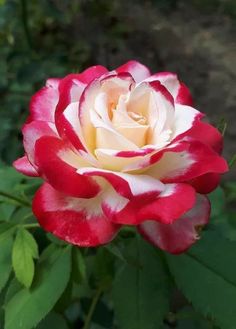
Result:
[[121, 148]]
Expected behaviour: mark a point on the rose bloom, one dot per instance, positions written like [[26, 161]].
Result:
[[121, 147]]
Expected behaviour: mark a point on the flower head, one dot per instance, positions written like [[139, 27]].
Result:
[[121, 148]]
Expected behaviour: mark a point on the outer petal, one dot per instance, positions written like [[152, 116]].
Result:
[[195, 159], [25, 167], [43, 103], [129, 186], [168, 206], [138, 71], [58, 164], [179, 236], [207, 134], [92, 73], [32, 132], [77, 221], [184, 96], [206, 183], [186, 117], [72, 86], [178, 90]]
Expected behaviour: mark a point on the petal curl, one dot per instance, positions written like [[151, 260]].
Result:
[[178, 90], [181, 161], [72, 86], [58, 164], [43, 103], [32, 132], [77, 221], [169, 205], [90, 115], [127, 185], [138, 71], [206, 183], [180, 235], [23, 166], [207, 134]]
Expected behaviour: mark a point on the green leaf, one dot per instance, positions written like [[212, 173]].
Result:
[[28, 307], [5, 260], [207, 276], [79, 266], [6, 230], [140, 293], [25, 249], [217, 199], [53, 320], [12, 289]]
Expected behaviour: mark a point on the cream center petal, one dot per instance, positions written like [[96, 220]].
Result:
[[129, 124]]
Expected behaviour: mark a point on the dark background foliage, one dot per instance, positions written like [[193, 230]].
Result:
[[51, 38]]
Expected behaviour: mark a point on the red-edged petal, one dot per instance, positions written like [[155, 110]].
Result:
[[207, 134], [92, 73], [77, 221], [32, 132], [138, 71], [58, 164], [184, 96], [70, 90], [72, 86], [195, 159], [43, 103], [206, 183], [168, 206], [25, 167], [127, 185], [178, 90], [69, 126], [180, 235]]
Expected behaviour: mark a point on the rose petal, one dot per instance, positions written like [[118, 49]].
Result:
[[43, 103], [127, 185], [92, 116], [58, 165], [181, 161], [178, 90], [25, 167], [205, 184], [32, 132], [138, 71], [185, 118], [166, 207], [207, 134], [73, 85], [77, 221], [180, 235]]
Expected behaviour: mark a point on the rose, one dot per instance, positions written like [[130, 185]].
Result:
[[121, 147]]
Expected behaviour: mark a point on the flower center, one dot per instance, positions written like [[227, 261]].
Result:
[[140, 119]]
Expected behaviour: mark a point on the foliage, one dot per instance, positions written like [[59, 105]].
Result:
[[127, 284]]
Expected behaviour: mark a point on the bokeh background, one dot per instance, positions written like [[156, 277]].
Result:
[[51, 38]]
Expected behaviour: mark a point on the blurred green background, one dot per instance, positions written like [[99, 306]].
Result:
[[51, 38]]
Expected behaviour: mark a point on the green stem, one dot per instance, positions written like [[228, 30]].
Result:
[[33, 225], [16, 198], [92, 308]]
